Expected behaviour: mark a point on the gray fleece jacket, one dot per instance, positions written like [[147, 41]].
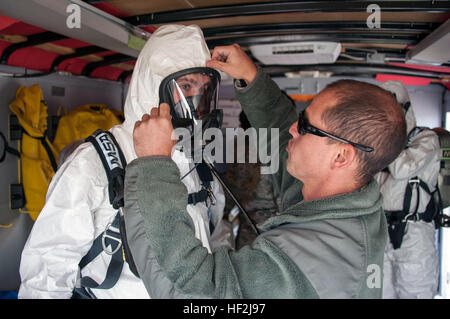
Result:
[[326, 248]]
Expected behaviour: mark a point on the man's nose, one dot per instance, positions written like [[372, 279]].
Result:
[[293, 129]]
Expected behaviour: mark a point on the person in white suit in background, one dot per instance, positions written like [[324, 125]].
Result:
[[411, 261]]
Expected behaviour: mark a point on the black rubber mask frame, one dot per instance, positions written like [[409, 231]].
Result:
[[208, 101]]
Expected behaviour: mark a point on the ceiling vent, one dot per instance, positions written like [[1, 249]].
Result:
[[297, 52]]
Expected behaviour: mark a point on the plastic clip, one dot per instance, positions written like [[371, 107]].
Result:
[[104, 236]]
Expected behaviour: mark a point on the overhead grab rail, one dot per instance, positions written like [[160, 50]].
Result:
[[282, 7]]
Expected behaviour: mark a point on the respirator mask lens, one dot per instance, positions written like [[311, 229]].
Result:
[[192, 95]]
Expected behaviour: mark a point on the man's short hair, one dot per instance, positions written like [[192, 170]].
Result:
[[368, 115]]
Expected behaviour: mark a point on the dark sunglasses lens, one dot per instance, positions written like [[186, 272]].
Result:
[[299, 127], [300, 124]]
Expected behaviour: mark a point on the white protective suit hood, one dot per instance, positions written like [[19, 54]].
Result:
[[397, 88], [170, 49]]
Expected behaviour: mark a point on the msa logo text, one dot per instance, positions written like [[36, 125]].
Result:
[[110, 151]]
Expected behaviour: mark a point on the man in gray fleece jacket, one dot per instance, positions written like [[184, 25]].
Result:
[[328, 239]]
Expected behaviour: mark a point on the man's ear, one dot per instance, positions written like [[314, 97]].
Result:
[[344, 156]]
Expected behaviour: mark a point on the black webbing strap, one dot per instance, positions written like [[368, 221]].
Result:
[[413, 133], [205, 174], [200, 196], [7, 149], [397, 220], [114, 236], [108, 238], [114, 163], [50, 155], [396, 231], [206, 178], [97, 246]]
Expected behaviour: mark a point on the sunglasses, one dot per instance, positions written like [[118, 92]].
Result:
[[304, 127]]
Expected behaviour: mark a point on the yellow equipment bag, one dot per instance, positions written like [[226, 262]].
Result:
[[82, 121], [38, 157]]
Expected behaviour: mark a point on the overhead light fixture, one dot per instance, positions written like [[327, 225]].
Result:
[[297, 53]]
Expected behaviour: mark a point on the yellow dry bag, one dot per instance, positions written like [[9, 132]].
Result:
[[82, 121], [38, 157]]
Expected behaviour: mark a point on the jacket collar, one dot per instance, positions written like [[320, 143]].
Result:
[[364, 201]]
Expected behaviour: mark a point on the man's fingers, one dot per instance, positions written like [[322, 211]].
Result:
[[154, 112], [220, 52], [152, 136], [221, 66], [232, 60], [164, 110], [216, 65]]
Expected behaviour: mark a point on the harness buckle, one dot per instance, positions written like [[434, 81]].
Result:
[[211, 195], [407, 217], [414, 181], [104, 236]]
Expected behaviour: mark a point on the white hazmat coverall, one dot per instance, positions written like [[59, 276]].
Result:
[[77, 207], [411, 271]]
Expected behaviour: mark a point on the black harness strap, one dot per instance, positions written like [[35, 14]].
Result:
[[7, 149], [206, 178], [108, 238], [114, 235], [49, 152], [200, 196], [397, 220], [114, 163], [413, 133], [205, 174]]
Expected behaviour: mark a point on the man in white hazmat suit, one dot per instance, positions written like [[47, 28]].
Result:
[[77, 208], [412, 270]]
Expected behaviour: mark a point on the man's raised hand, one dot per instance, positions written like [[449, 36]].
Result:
[[152, 136], [232, 60]]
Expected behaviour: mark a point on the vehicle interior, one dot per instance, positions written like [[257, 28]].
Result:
[[82, 52]]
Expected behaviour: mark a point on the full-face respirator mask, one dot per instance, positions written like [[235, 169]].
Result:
[[192, 95]]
